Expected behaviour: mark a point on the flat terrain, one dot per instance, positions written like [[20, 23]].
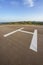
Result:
[[14, 49]]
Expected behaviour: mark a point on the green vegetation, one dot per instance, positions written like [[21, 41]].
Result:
[[25, 22]]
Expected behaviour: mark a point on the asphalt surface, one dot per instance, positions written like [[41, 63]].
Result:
[[14, 49]]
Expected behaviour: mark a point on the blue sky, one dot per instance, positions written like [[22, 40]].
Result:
[[21, 10]]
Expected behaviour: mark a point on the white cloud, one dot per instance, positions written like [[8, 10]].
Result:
[[29, 2]]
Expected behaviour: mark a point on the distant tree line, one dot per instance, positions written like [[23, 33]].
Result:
[[24, 22]]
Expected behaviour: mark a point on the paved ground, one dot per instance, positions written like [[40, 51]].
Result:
[[14, 49]]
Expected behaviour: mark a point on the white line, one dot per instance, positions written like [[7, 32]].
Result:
[[12, 32], [26, 32], [33, 45]]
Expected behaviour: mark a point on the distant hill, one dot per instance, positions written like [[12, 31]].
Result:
[[24, 22]]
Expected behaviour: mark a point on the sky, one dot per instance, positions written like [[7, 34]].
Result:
[[21, 10]]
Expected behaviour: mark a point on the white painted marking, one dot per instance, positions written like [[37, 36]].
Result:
[[33, 45], [12, 32], [25, 32]]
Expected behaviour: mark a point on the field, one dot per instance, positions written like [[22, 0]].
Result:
[[14, 49]]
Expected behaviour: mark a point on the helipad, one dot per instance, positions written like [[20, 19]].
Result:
[[21, 45]]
